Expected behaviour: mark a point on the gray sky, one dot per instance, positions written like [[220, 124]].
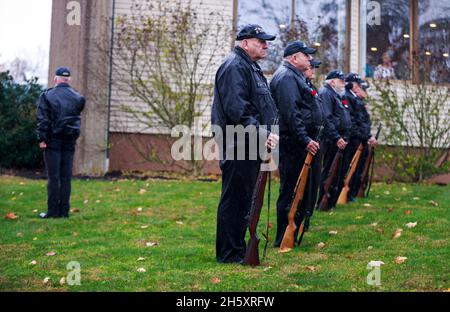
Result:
[[25, 33]]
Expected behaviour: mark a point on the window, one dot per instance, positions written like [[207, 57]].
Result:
[[434, 41], [324, 27], [275, 18], [387, 39]]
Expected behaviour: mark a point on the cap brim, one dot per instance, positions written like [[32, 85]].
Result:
[[309, 50], [265, 36]]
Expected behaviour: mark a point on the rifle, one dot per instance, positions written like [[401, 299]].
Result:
[[365, 181], [288, 239], [323, 205], [343, 197], [252, 252]]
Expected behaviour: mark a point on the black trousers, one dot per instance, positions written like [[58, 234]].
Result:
[[329, 152], [238, 181], [58, 158], [291, 162]]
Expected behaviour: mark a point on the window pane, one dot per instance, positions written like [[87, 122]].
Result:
[[434, 40], [274, 17], [387, 50], [322, 24]]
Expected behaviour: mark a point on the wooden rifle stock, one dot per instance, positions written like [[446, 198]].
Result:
[[343, 197], [252, 252], [323, 205], [288, 239], [365, 174]]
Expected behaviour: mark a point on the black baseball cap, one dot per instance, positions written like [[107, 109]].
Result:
[[336, 74], [62, 71], [352, 77], [364, 84], [253, 31], [298, 46], [315, 63]]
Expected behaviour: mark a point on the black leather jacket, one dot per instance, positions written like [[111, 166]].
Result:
[[298, 104], [242, 95], [58, 113], [340, 125], [360, 118]]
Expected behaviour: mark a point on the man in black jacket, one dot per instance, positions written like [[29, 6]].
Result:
[[337, 135], [241, 98], [58, 127], [356, 94], [300, 117]]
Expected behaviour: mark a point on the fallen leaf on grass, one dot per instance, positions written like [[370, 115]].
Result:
[[62, 281], [141, 259], [144, 226], [374, 224], [435, 204], [397, 233], [35, 211], [387, 192], [321, 245], [359, 217], [267, 269], [46, 280], [20, 234], [410, 225], [11, 216], [97, 201], [142, 191], [215, 280], [370, 248], [415, 198], [50, 254], [380, 230], [179, 222], [139, 209], [151, 244], [332, 232], [21, 183], [75, 210], [85, 201], [34, 262], [400, 260], [390, 209], [408, 212], [310, 268], [141, 270], [34, 238], [404, 189], [367, 205]]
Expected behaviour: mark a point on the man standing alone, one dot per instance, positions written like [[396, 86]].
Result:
[[58, 127]]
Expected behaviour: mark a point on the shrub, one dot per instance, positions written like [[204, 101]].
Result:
[[18, 142]]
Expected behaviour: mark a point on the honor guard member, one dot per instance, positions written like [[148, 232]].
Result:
[[358, 90], [338, 131], [241, 98], [58, 127], [300, 117]]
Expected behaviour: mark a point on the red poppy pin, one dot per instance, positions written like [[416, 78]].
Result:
[[313, 93], [345, 103]]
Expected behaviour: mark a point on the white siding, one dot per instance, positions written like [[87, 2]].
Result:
[[124, 122]]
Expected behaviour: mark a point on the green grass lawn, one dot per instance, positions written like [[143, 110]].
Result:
[[109, 234]]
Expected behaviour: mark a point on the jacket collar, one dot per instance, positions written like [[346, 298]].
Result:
[[294, 69], [239, 51], [63, 85]]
